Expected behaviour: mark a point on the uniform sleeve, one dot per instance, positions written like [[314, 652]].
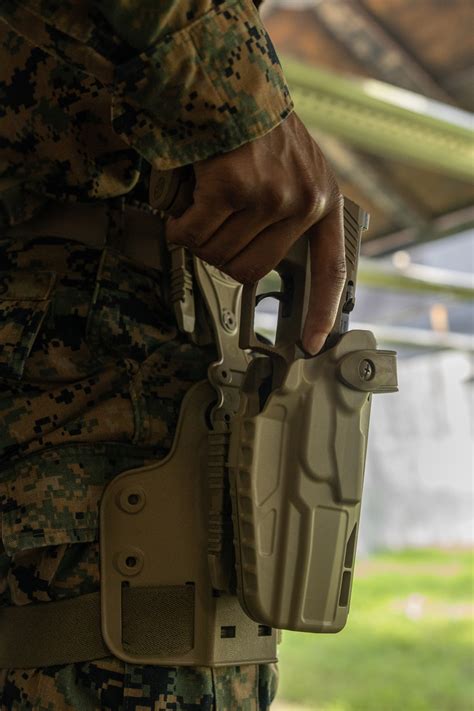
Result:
[[188, 78]]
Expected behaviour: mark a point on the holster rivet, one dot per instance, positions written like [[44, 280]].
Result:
[[132, 499], [129, 562]]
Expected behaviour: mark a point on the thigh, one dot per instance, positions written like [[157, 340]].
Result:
[[92, 376], [109, 685]]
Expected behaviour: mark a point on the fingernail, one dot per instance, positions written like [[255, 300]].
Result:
[[314, 344]]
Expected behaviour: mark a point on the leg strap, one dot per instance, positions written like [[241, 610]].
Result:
[[156, 622]]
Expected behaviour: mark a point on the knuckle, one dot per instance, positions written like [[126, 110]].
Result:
[[235, 193], [309, 195], [337, 198], [315, 203], [310, 201], [272, 198], [337, 270]]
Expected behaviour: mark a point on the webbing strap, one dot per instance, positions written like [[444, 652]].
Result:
[[156, 621]]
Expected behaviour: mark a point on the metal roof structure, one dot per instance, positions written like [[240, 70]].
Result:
[[386, 87]]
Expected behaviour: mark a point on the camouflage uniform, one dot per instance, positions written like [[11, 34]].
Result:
[[92, 367]]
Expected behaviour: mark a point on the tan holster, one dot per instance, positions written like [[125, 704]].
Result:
[[154, 532], [256, 509]]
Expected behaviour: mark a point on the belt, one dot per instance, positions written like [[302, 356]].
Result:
[[157, 621], [140, 236]]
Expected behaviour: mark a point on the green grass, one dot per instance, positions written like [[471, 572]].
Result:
[[407, 646]]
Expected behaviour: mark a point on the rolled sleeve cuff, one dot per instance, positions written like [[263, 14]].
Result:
[[204, 90]]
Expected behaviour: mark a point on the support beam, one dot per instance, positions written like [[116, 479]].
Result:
[[371, 45], [393, 335], [415, 278], [419, 337], [401, 125], [459, 83], [374, 183], [444, 226]]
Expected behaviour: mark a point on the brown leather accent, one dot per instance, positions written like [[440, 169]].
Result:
[[142, 240]]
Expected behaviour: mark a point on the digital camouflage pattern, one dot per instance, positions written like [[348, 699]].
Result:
[[92, 368], [113, 686], [95, 389], [92, 91]]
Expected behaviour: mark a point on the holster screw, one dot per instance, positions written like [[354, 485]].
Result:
[[366, 369], [228, 320]]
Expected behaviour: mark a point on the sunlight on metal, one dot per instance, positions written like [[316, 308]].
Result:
[[451, 223], [418, 104], [416, 278]]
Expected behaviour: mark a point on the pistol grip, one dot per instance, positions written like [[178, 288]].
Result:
[[296, 277]]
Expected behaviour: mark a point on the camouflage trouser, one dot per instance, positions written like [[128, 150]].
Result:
[[92, 374]]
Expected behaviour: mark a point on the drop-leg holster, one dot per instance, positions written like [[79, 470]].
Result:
[[154, 532]]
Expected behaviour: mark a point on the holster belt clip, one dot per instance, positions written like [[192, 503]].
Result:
[[154, 531]]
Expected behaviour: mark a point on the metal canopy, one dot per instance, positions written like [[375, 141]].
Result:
[[407, 156], [369, 115]]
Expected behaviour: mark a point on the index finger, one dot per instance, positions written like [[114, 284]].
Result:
[[328, 275], [199, 222]]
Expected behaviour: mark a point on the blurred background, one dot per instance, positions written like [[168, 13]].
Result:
[[387, 89]]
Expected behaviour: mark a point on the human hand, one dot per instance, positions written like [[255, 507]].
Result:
[[251, 204]]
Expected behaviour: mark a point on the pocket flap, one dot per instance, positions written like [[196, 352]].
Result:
[[24, 302], [52, 497]]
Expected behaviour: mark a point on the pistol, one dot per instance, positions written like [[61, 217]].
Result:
[[298, 449]]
